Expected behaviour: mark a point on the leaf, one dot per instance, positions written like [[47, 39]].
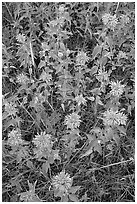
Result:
[[110, 147], [88, 152], [96, 51], [98, 101], [64, 198], [73, 198], [98, 148], [41, 64], [45, 167], [30, 164], [116, 138], [74, 189], [121, 129], [93, 70]]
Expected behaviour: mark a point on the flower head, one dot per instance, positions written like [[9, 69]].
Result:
[[102, 76], [80, 100], [22, 79], [46, 76], [10, 108], [61, 9], [14, 138], [81, 58], [125, 19], [116, 89], [112, 117], [109, 20], [122, 55], [43, 142], [21, 38], [72, 121], [62, 182]]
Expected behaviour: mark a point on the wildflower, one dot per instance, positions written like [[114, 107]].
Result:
[[80, 99], [117, 89], [109, 20], [46, 76], [14, 138], [102, 75], [125, 19], [61, 9], [122, 55], [62, 183], [81, 58], [43, 143], [112, 117], [10, 108], [22, 79], [21, 38], [72, 121]]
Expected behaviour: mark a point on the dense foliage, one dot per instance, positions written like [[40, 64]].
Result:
[[68, 79]]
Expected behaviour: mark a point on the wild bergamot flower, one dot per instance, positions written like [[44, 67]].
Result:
[[81, 58], [21, 38], [62, 183], [125, 19], [116, 89], [14, 137], [112, 117], [80, 100], [61, 9], [122, 55], [45, 76], [109, 20], [10, 108], [22, 79], [72, 121], [43, 142]]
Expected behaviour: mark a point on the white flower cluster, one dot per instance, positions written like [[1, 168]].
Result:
[[72, 121], [125, 19], [43, 143], [21, 38], [122, 55], [81, 58], [112, 117], [109, 20], [62, 182], [116, 89], [10, 108], [80, 100], [14, 137], [46, 76], [22, 79]]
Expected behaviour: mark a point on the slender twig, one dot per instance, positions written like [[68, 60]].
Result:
[[102, 167], [117, 7], [31, 52]]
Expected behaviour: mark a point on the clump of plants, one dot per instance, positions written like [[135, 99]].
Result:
[[68, 101]]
